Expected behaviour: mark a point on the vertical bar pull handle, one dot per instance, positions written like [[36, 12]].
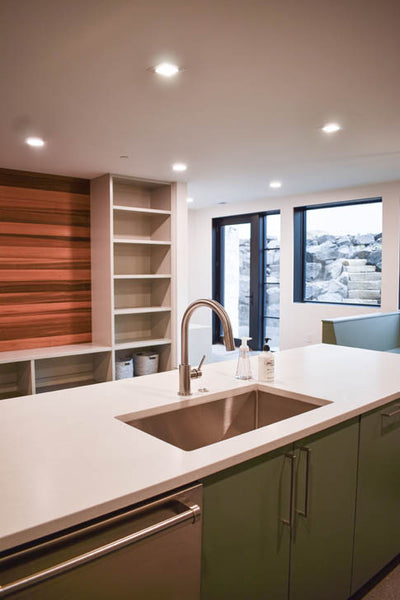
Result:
[[305, 512], [290, 521]]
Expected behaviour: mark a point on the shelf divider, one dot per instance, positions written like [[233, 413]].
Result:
[[143, 276], [142, 343], [141, 310], [144, 211], [145, 242]]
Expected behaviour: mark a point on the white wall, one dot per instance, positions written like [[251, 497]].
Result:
[[300, 322], [180, 262]]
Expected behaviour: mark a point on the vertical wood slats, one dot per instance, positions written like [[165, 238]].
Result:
[[45, 297]]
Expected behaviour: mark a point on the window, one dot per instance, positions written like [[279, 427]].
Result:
[[247, 276], [338, 253]]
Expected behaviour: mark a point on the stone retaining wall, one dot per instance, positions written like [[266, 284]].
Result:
[[344, 269]]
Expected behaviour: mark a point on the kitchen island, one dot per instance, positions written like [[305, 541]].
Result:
[[69, 456]]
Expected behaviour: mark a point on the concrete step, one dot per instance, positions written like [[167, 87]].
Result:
[[363, 301], [354, 262], [370, 276], [361, 269], [365, 294], [375, 284]]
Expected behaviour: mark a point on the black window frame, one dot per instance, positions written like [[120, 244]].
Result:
[[299, 248]]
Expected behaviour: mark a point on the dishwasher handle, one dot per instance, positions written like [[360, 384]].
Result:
[[192, 512]]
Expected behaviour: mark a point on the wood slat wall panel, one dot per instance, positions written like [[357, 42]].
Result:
[[45, 297], [43, 181]]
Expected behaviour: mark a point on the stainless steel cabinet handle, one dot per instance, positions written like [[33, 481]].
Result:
[[192, 513], [304, 513], [395, 411], [290, 520]]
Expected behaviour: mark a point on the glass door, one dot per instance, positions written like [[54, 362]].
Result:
[[236, 276], [235, 280], [246, 276]]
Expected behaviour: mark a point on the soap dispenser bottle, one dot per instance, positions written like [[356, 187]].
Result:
[[266, 363], [243, 370]]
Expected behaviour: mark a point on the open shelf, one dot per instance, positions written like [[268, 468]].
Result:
[[15, 379], [163, 351], [141, 194], [148, 227], [142, 327], [141, 259], [141, 293], [72, 371]]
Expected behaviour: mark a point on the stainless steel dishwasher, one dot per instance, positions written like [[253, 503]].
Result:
[[152, 551]]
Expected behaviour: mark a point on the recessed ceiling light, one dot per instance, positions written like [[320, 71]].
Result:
[[275, 184], [331, 128], [36, 142], [179, 167], [166, 69], [189, 200]]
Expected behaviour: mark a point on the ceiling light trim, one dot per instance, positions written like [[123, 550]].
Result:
[[35, 142], [166, 69], [275, 184], [179, 167], [331, 127]]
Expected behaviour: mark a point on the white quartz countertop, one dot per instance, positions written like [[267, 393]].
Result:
[[65, 457]]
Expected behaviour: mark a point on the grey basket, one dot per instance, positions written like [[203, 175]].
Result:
[[146, 363], [124, 368]]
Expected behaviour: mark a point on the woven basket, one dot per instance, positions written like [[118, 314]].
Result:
[[146, 363]]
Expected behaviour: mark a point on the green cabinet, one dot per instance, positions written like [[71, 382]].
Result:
[[323, 529], [245, 544], [377, 531], [281, 526]]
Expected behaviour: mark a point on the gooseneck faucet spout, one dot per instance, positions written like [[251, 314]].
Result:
[[185, 372]]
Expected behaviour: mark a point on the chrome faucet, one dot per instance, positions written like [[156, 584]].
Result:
[[185, 372]]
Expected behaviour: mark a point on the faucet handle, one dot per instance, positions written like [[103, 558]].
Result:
[[195, 373]]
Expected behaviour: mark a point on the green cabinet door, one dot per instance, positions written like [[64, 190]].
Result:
[[322, 537], [245, 544], [377, 533]]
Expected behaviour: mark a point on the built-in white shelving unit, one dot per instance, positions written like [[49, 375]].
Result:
[[133, 231], [137, 270]]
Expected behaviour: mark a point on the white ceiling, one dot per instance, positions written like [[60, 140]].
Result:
[[260, 78]]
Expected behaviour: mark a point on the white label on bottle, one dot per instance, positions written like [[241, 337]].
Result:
[[266, 367]]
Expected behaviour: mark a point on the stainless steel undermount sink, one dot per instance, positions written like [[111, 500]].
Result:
[[196, 426]]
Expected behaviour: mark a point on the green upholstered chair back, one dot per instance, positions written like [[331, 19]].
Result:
[[374, 332]]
